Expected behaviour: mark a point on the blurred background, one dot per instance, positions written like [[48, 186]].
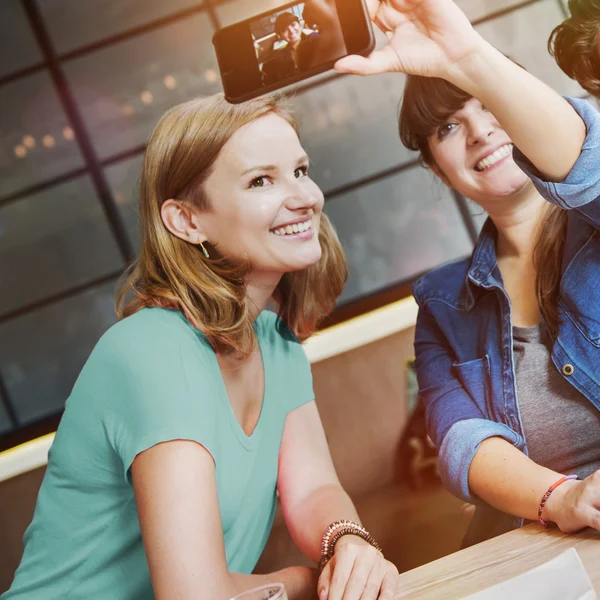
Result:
[[82, 83], [81, 86]]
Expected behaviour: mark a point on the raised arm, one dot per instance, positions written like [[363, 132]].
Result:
[[433, 38], [176, 496]]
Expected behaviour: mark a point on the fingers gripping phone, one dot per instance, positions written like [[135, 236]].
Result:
[[290, 43]]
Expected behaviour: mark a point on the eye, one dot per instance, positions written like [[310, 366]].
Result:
[[445, 129], [301, 172], [259, 182]]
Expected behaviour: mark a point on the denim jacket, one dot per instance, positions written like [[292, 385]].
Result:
[[463, 338]]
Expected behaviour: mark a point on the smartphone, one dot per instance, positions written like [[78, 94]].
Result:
[[290, 43]]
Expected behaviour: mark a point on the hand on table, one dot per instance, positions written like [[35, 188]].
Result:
[[357, 571], [575, 505]]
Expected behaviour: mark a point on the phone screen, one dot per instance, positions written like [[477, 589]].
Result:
[[289, 44]]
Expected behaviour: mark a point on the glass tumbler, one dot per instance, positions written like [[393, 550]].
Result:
[[273, 591]]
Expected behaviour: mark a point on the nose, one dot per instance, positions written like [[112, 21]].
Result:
[[480, 128], [299, 197]]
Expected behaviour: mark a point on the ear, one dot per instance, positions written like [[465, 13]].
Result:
[[182, 221]]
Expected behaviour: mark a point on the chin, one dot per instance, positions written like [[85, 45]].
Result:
[[518, 186], [512, 185], [307, 260]]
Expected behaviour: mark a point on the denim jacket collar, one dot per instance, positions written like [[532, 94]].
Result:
[[483, 271]]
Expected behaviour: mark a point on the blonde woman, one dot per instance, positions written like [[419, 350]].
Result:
[[197, 407]]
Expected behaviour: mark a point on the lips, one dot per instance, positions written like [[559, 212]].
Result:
[[293, 228], [490, 159]]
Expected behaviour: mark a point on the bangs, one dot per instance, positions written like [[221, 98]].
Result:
[[427, 104]]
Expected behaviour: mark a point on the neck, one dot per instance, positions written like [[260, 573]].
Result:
[[259, 290], [517, 224]]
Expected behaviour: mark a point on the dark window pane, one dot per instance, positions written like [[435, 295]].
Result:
[[18, 48], [73, 24], [5, 424], [37, 141], [523, 35], [42, 353], [349, 128], [52, 241], [123, 90], [396, 228], [124, 182]]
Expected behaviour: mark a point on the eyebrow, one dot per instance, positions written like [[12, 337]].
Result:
[[301, 159]]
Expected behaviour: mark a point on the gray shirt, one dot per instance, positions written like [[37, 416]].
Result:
[[562, 427]]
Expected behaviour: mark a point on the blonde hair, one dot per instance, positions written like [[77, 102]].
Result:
[[427, 104], [172, 273]]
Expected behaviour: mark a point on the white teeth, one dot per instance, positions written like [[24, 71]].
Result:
[[492, 159], [292, 229]]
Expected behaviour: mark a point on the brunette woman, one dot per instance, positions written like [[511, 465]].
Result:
[[508, 341]]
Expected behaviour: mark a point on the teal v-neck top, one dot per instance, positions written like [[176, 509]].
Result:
[[153, 378]]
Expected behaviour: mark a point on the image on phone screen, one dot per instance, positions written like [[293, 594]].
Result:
[[289, 43]]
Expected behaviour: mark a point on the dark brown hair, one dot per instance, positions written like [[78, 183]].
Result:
[[283, 21], [576, 44], [427, 104]]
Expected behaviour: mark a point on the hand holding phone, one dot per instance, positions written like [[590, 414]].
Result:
[[290, 43], [429, 38]]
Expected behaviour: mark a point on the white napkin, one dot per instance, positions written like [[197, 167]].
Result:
[[562, 578]]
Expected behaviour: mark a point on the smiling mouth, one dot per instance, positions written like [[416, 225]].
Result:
[[492, 159], [293, 229]]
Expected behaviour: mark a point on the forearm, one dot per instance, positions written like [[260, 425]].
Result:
[[308, 520], [535, 117], [300, 582], [507, 479]]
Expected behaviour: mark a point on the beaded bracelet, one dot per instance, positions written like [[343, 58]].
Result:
[[337, 530], [548, 494]]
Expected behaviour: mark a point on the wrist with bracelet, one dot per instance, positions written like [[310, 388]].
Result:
[[547, 495], [335, 531]]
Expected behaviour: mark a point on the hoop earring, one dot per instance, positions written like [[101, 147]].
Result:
[[204, 250]]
